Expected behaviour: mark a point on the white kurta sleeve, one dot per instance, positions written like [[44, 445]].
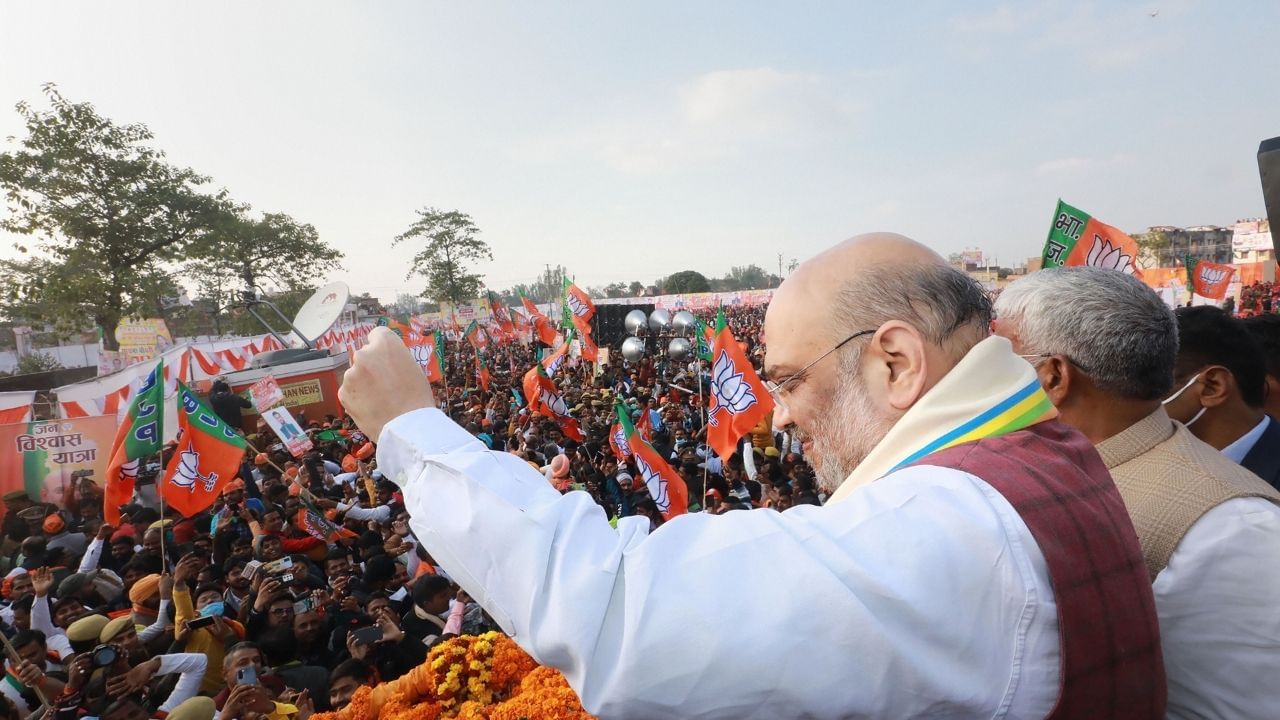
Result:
[[92, 556], [157, 628], [192, 667], [1217, 601], [41, 619], [918, 596], [381, 514]]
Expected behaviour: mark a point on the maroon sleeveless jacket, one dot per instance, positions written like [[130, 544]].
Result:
[[1110, 639]]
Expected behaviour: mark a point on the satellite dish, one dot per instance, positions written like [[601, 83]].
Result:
[[320, 312], [314, 319]]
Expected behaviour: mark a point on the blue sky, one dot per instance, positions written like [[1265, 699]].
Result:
[[631, 140]]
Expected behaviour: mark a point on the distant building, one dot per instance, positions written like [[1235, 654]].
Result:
[[1251, 242], [1166, 245]]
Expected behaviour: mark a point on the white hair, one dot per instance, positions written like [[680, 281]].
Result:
[[1108, 323]]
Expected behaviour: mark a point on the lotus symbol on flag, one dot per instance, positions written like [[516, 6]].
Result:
[[555, 365], [575, 305], [1212, 275], [130, 469], [421, 354], [1105, 255], [657, 486], [620, 440], [730, 390], [554, 402], [188, 473]]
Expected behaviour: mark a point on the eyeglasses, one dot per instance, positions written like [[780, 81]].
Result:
[[1046, 356], [779, 390]]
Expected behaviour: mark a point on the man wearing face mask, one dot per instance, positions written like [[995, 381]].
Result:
[[1104, 346], [1222, 376]]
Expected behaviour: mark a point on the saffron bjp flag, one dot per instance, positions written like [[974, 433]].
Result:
[[578, 302], [738, 398], [618, 441], [140, 435], [1076, 238], [645, 424], [552, 362], [310, 520], [428, 352], [544, 398], [501, 315], [542, 327], [1206, 279], [476, 336], [589, 350], [208, 455], [665, 485]]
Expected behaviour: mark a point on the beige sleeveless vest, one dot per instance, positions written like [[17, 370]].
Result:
[[1169, 479]]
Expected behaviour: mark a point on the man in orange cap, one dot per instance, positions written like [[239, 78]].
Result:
[[57, 536]]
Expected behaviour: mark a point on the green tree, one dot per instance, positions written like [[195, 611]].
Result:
[[549, 285], [685, 281], [36, 362], [750, 277], [271, 253], [635, 288], [451, 247], [108, 211], [1153, 249], [615, 290]]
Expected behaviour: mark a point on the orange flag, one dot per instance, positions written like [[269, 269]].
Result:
[[579, 303], [208, 455], [541, 325], [589, 350], [1208, 279], [665, 485], [1103, 245], [552, 362], [544, 398], [738, 397]]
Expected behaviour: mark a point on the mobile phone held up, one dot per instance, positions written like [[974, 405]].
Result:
[[247, 676], [368, 635], [200, 622]]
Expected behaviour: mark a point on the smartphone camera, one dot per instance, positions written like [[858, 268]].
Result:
[[247, 676]]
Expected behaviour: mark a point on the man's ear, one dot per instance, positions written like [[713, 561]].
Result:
[[900, 363], [1057, 378], [1217, 384]]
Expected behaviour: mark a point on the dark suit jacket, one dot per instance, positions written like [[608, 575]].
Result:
[[1264, 459]]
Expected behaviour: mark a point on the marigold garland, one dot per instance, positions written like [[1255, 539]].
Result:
[[470, 677]]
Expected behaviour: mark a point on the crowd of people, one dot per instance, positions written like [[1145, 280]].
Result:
[[257, 608], [1258, 298], [242, 612]]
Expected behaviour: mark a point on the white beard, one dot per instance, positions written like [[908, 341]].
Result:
[[845, 433]]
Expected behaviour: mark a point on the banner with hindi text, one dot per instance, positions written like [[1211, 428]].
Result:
[[41, 457]]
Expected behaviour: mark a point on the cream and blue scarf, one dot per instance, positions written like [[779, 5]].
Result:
[[990, 392]]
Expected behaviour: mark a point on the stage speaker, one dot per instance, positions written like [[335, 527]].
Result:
[[1269, 169], [607, 326]]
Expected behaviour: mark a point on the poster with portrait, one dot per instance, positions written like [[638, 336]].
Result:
[[43, 458], [290, 432]]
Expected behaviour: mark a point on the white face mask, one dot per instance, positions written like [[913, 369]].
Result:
[[1178, 394]]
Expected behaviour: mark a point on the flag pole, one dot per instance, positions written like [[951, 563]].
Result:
[[159, 485], [702, 410]]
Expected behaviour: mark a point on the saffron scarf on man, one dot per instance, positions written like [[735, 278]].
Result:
[[989, 393]]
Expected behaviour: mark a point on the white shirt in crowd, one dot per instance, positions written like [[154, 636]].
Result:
[[922, 594]]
